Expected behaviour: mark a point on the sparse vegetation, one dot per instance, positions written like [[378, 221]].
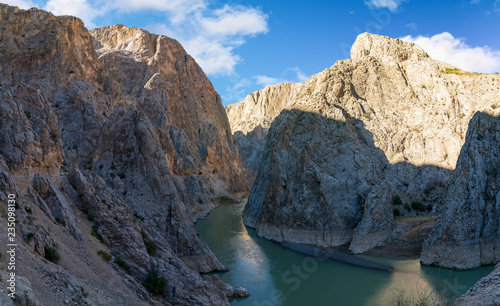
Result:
[[417, 205], [88, 168], [480, 136], [152, 248], [52, 255], [397, 212], [105, 255], [122, 264], [29, 236], [95, 233], [429, 207], [139, 217], [224, 198], [407, 207], [155, 283], [494, 106], [367, 115], [28, 114], [396, 200]]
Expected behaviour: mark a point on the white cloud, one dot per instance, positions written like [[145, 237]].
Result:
[[178, 10], [446, 48], [79, 8], [211, 36], [22, 4], [212, 55], [298, 76], [413, 26], [391, 5], [235, 20]]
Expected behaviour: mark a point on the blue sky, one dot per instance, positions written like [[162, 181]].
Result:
[[245, 45]]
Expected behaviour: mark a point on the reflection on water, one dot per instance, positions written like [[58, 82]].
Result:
[[278, 276]]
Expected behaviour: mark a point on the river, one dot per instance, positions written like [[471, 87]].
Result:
[[275, 275]]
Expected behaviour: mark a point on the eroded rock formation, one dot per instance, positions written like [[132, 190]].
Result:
[[146, 142], [399, 120]]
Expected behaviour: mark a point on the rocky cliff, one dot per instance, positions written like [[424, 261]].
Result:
[[388, 129], [115, 141], [466, 233]]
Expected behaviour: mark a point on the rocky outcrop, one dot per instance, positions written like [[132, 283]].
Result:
[[141, 120], [407, 115], [466, 233], [485, 292]]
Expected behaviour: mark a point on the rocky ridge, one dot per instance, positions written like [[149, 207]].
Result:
[[144, 140], [388, 122]]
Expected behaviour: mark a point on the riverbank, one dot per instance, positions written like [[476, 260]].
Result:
[[280, 276]]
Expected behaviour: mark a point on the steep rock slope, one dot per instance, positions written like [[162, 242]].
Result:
[[414, 108], [485, 292], [466, 235], [139, 115]]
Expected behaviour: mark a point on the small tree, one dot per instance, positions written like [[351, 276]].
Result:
[[155, 283]]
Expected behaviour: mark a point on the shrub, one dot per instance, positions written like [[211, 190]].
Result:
[[52, 255], [429, 207], [224, 198], [396, 200], [407, 207], [367, 115], [151, 247], [105, 255], [29, 236], [28, 114], [139, 217], [155, 283], [28, 210], [95, 233], [417, 205], [397, 212], [122, 264]]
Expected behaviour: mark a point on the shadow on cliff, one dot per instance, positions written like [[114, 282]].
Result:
[[346, 180]]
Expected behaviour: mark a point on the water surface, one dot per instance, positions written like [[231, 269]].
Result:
[[278, 276]]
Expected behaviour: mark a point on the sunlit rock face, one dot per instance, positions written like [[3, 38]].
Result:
[[144, 137], [400, 119]]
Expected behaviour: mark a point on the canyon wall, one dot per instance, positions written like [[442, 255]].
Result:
[[116, 133]]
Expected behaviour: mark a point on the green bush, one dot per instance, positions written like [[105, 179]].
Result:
[[396, 200], [95, 233], [105, 255], [52, 255], [28, 210], [155, 283], [429, 207], [29, 236], [407, 207], [397, 212], [122, 264], [417, 205], [139, 217], [151, 247]]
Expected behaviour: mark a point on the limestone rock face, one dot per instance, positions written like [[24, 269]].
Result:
[[141, 120], [466, 234], [415, 112], [485, 292]]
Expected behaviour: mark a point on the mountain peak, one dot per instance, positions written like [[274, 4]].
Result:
[[383, 47]]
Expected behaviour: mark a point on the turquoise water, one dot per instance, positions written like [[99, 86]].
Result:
[[278, 276]]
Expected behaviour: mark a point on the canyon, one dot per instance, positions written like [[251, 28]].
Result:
[[114, 143]]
